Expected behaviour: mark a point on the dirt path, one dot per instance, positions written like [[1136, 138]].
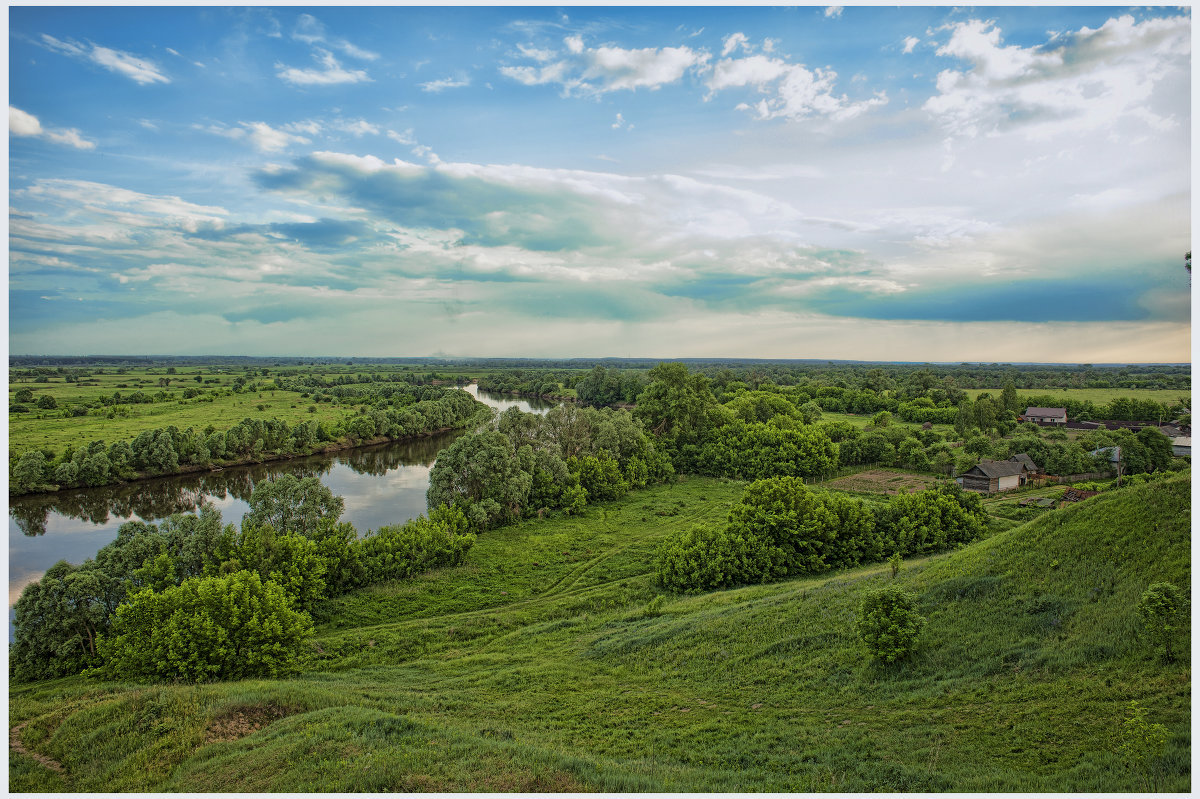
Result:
[[15, 744]]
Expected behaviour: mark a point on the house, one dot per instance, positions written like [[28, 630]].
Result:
[[1027, 462], [1046, 415], [989, 477], [1112, 453], [1181, 446]]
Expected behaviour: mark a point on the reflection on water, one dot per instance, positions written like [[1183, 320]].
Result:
[[381, 485]]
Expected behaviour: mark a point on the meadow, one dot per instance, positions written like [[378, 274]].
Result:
[[1099, 396], [550, 661]]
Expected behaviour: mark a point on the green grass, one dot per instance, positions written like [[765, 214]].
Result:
[[502, 675], [1100, 396]]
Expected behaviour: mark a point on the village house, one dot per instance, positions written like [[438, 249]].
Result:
[[988, 477], [1045, 415]]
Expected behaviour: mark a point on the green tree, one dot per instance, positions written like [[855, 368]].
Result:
[[23, 395], [675, 404], [30, 471], [882, 419], [926, 521], [1161, 612], [889, 624], [481, 473], [47, 402], [703, 558], [798, 529], [294, 505], [57, 622], [210, 628]]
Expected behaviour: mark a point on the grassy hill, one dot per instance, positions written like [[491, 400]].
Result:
[[546, 662]]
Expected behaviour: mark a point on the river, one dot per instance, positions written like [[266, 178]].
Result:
[[382, 484]]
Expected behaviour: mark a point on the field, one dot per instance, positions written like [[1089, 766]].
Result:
[[547, 663], [1099, 396], [881, 481]]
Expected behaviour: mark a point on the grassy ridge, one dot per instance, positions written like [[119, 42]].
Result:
[[567, 675]]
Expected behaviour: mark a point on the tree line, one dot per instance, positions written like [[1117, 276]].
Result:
[[395, 415]]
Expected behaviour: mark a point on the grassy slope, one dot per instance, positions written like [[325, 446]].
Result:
[[503, 675]]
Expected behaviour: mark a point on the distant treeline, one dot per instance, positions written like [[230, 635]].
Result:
[[388, 411]]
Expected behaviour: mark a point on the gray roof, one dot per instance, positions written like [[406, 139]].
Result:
[[1023, 458], [1045, 411], [1113, 453], [998, 468]]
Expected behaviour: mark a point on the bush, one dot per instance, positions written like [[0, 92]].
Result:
[[398, 551], [207, 628], [704, 558], [888, 623], [1161, 612]]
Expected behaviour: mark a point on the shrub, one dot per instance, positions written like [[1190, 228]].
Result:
[[398, 551], [1160, 610], [888, 623], [704, 558], [1141, 743], [207, 628]]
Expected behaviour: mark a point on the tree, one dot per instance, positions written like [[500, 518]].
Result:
[[882, 419], [47, 402], [703, 558], [294, 505], [30, 471], [675, 404], [1008, 396], [927, 521], [1158, 448], [797, 528], [56, 623], [1161, 612], [481, 473], [23, 395], [889, 624], [209, 628]]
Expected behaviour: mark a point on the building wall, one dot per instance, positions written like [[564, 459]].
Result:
[[1011, 481], [971, 482]]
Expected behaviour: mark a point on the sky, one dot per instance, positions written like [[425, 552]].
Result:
[[868, 183]]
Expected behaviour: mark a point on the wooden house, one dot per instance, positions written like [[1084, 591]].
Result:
[[1024, 459], [988, 477], [1045, 415]]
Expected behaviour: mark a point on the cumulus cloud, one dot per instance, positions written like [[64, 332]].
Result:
[[331, 73], [790, 91], [1075, 82], [21, 123], [909, 43], [136, 68], [580, 69], [833, 11]]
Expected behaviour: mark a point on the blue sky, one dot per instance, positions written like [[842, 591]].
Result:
[[990, 184]]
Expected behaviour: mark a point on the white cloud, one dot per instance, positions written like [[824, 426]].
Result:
[[1076, 82], [792, 90], [733, 41], [436, 86], [136, 68], [910, 42], [357, 127], [21, 123], [621, 123], [833, 11], [597, 70], [332, 73], [404, 138], [311, 30], [265, 138]]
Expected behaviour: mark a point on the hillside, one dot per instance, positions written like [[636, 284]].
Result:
[[546, 663]]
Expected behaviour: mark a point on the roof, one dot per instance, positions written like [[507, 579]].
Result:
[[1075, 495], [1026, 460], [1181, 441], [1045, 411], [998, 468], [1114, 453]]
